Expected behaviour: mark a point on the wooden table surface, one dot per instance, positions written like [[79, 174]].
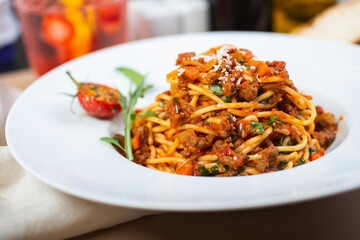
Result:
[[334, 217]]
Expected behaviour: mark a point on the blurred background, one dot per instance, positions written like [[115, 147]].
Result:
[[139, 19]]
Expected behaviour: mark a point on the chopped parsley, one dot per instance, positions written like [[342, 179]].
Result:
[[218, 162], [243, 62], [312, 150], [282, 164], [302, 161], [282, 140], [273, 120], [257, 127], [227, 168], [162, 104], [148, 113], [214, 170], [242, 169], [216, 89], [204, 171], [226, 99], [175, 100]]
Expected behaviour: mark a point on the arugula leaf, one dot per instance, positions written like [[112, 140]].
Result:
[[134, 76], [144, 89], [148, 113], [216, 89], [128, 106], [258, 127], [113, 141]]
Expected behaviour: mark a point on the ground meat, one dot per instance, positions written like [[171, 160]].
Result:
[[244, 129], [210, 78], [228, 86], [227, 156], [224, 129], [248, 90], [177, 112], [325, 121], [277, 68], [190, 141], [325, 137], [206, 141], [269, 157], [289, 108], [183, 57], [142, 132], [143, 153]]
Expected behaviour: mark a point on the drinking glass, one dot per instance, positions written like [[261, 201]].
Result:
[[56, 31]]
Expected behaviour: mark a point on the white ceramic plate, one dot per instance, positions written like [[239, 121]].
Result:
[[63, 149]]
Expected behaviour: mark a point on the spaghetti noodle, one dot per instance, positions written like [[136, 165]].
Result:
[[229, 114]]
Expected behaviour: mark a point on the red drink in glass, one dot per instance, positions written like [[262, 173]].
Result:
[[56, 31]]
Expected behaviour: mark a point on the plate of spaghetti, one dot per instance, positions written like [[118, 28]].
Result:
[[234, 120]]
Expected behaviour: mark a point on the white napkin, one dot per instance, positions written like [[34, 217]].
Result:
[[29, 209]]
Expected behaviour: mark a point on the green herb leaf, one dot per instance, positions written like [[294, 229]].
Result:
[[312, 150], [122, 100], [148, 113], [162, 104], [175, 100], [128, 105], [133, 116], [226, 99], [242, 169], [204, 171], [134, 76], [227, 168], [218, 162], [144, 89], [282, 164], [243, 62], [257, 127], [113, 141], [282, 140], [273, 120], [214, 169], [216, 89], [302, 161]]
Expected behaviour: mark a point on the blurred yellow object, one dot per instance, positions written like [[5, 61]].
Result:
[[80, 43], [288, 14], [340, 22], [73, 3]]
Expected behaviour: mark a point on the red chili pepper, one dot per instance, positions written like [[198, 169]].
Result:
[[97, 100]]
